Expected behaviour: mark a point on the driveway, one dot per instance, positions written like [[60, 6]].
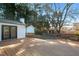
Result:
[[39, 47]]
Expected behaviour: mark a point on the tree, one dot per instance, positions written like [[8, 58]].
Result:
[[43, 14], [25, 11], [54, 14], [9, 11], [22, 11], [59, 17], [15, 11], [40, 20]]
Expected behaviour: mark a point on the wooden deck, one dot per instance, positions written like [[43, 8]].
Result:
[[15, 47], [38, 47]]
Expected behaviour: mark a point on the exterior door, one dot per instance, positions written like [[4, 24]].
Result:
[[13, 32], [9, 32], [5, 32]]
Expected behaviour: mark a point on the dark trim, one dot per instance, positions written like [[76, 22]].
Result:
[[2, 31], [9, 31]]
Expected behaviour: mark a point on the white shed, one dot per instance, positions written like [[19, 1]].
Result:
[[11, 29], [30, 29]]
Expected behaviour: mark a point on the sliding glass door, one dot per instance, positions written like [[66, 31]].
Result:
[[13, 32], [9, 32], [5, 34]]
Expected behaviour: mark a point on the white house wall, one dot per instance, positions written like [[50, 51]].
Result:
[[20, 30]]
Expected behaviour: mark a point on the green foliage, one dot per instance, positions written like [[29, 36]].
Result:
[[9, 11], [14, 11]]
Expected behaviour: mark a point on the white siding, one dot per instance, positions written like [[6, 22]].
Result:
[[20, 30]]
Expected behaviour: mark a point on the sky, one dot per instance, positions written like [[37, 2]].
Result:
[[74, 8]]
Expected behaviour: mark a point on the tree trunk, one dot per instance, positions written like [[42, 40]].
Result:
[[58, 30]]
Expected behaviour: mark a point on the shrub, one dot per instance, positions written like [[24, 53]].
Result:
[[77, 33]]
